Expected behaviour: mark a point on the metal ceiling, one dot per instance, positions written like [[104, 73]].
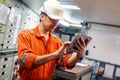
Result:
[[102, 11]]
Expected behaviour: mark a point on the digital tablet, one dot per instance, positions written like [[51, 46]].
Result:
[[86, 38]]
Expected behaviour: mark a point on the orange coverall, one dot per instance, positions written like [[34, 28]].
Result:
[[30, 45]]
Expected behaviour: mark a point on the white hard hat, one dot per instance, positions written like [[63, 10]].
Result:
[[53, 9]]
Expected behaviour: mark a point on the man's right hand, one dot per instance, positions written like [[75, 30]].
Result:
[[61, 51]]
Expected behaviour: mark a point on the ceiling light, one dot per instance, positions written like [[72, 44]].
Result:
[[65, 23], [71, 7], [76, 25]]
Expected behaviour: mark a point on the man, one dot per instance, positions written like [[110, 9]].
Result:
[[39, 49]]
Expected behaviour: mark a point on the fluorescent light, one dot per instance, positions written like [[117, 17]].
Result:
[[65, 23], [76, 25], [71, 7]]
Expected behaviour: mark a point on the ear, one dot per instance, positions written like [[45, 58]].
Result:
[[41, 16]]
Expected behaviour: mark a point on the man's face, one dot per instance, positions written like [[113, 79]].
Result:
[[48, 23]]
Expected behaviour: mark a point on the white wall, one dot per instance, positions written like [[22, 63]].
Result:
[[106, 40]]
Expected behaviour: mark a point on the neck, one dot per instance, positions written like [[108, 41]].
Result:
[[43, 32]]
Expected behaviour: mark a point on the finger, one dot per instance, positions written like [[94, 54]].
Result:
[[65, 52], [82, 41], [79, 45], [87, 41], [67, 43], [80, 48]]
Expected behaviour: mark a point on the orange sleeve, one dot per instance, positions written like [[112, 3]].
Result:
[[24, 47], [64, 62]]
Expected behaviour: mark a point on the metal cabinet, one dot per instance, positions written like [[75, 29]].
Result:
[[6, 66]]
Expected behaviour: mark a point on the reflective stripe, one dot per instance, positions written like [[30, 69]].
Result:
[[25, 55]]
